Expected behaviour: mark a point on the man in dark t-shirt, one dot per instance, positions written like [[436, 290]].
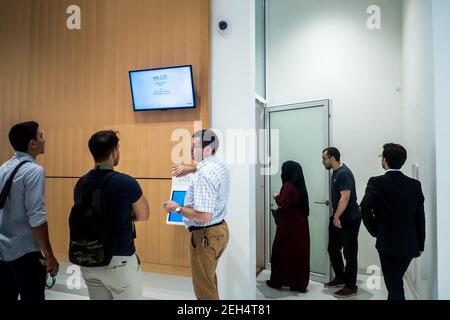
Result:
[[125, 203], [119, 193], [344, 225], [342, 180]]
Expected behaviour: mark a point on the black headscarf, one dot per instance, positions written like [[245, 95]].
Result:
[[292, 172]]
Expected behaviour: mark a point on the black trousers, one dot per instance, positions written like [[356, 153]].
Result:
[[347, 239], [394, 269], [25, 277]]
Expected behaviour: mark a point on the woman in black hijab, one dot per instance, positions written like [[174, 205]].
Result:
[[290, 250]]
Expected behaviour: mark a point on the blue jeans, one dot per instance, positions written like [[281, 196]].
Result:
[[24, 276]]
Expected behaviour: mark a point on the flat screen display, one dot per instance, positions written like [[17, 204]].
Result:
[[162, 88], [174, 217]]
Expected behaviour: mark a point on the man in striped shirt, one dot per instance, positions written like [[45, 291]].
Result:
[[26, 254], [204, 212]]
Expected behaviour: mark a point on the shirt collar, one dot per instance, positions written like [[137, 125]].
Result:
[[393, 170], [205, 161], [342, 166], [25, 156]]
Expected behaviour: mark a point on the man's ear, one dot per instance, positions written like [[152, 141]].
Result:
[[31, 145], [209, 150]]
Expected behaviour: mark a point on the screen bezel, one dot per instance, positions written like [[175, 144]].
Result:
[[164, 109]]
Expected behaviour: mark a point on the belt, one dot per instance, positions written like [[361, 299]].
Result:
[[206, 227]]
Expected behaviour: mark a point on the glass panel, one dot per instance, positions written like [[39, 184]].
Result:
[[303, 134]]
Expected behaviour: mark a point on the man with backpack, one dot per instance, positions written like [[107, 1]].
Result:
[[26, 254], [107, 203]]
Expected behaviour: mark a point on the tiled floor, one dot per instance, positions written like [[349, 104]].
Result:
[[166, 287]]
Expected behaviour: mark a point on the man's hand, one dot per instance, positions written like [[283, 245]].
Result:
[[51, 264], [337, 222], [181, 170], [171, 206]]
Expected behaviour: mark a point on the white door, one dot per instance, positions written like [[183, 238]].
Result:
[[301, 133]]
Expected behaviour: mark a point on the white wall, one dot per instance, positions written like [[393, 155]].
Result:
[[419, 122], [320, 49], [233, 107], [260, 58], [441, 31]]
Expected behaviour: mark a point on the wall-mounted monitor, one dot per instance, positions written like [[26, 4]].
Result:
[[162, 88]]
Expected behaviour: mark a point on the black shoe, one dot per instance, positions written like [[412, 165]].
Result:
[[336, 283], [273, 286], [346, 292], [301, 290]]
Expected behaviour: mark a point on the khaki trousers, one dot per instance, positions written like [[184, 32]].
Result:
[[120, 280], [204, 259]]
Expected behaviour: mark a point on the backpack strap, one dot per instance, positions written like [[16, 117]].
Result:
[[102, 184], [7, 187], [105, 179], [84, 187]]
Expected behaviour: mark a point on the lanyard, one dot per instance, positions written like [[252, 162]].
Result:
[[104, 168]]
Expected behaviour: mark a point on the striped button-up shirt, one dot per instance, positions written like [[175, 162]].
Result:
[[208, 191], [24, 208]]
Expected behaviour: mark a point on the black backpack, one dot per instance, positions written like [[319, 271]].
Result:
[[92, 239]]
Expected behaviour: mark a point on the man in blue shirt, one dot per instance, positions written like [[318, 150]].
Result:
[[344, 225], [125, 202], [25, 251], [204, 212]]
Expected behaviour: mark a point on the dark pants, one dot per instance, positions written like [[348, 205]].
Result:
[[394, 269], [347, 239], [25, 276]]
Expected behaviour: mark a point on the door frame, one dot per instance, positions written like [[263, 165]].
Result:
[[261, 104], [293, 106]]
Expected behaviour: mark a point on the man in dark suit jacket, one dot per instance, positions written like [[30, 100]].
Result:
[[393, 212]]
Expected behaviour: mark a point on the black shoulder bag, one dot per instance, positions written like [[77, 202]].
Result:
[[7, 187]]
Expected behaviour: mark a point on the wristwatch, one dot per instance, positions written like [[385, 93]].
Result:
[[178, 210]]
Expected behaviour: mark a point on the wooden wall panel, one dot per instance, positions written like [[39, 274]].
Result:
[[77, 80], [74, 76], [75, 83], [145, 149]]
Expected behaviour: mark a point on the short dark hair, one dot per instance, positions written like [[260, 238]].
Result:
[[395, 155], [209, 138], [21, 134], [102, 144], [333, 152]]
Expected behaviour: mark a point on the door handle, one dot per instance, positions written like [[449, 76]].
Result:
[[327, 203]]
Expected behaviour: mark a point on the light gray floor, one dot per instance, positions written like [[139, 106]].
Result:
[[316, 291], [167, 287], [70, 286]]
